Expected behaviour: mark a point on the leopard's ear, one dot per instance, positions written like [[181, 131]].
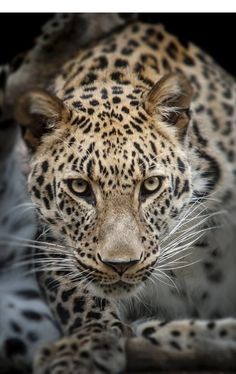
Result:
[[169, 99], [38, 112]]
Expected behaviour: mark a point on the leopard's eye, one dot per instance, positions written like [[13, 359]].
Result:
[[150, 186], [81, 188]]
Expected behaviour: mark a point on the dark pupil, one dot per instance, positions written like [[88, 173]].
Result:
[[82, 184], [85, 186]]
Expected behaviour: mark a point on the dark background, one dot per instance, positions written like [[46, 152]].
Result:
[[214, 32]]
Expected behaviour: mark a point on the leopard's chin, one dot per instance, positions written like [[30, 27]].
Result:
[[116, 290]]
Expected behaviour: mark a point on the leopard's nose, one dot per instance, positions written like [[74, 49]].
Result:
[[119, 265]]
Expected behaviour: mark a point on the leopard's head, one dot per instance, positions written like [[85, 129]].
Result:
[[110, 179]]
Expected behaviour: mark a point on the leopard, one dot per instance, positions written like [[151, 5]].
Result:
[[133, 172]]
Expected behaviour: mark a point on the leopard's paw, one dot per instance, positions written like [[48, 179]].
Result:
[[91, 354], [184, 344]]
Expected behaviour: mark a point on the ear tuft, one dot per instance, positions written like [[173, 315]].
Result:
[[38, 112], [170, 100]]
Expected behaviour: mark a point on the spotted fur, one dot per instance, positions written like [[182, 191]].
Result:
[[135, 105]]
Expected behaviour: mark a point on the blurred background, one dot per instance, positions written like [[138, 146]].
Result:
[[214, 32]]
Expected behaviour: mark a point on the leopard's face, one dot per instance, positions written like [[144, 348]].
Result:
[[109, 177], [112, 194]]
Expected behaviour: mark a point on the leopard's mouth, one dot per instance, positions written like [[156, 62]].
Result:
[[115, 285]]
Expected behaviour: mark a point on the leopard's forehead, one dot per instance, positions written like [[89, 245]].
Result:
[[115, 133], [127, 147], [107, 107]]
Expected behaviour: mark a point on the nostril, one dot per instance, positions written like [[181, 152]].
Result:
[[119, 265]]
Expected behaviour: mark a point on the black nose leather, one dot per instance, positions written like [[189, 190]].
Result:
[[118, 265]]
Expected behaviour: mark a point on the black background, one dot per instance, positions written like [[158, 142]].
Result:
[[215, 33]]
